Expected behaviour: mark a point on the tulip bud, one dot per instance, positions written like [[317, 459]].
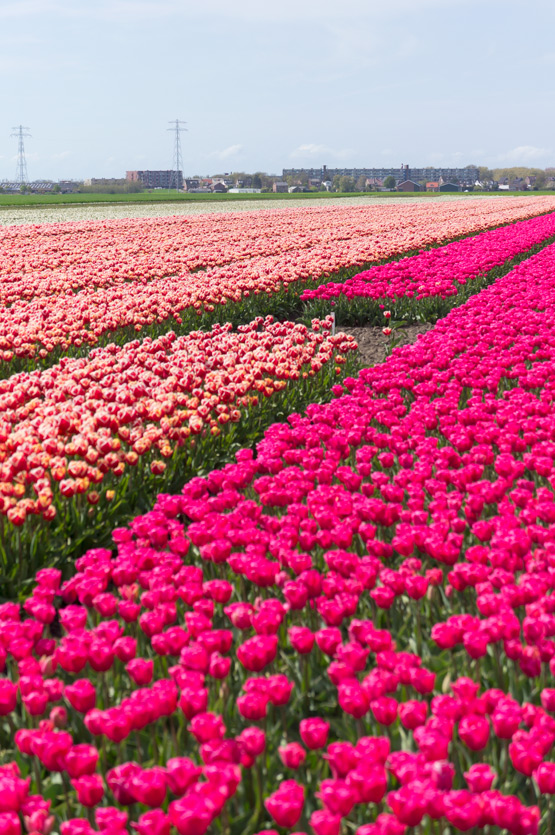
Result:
[[292, 755]]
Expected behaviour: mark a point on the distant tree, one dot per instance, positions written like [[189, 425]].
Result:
[[300, 179], [361, 183], [485, 174], [130, 187], [267, 180], [347, 183], [468, 178], [389, 182], [514, 173], [244, 178], [541, 180], [341, 182], [56, 188]]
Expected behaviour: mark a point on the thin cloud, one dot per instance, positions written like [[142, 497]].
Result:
[[317, 10], [232, 151], [29, 156], [311, 149], [23, 8], [285, 10], [523, 154]]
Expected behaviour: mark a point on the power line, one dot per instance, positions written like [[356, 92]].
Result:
[[21, 175], [177, 161]]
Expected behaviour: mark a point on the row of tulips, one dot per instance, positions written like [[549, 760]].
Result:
[[85, 422], [277, 645], [44, 327], [440, 273], [62, 258], [125, 421]]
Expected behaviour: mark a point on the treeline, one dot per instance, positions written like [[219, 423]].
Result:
[[541, 175], [130, 187]]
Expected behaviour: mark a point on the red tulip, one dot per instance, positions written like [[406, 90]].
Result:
[[81, 695], [80, 760], [140, 670], [181, 772], [325, 823], [474, 732], [314, 732], [89, 788], [292, 755], [286, 805]]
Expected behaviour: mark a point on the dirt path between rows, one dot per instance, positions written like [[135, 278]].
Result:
[[372, 343]]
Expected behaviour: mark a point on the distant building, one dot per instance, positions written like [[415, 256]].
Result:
[[244, 191], [516, 184], [408, 185], [219, 188], [449, 187], [68, 186], [280, 187], [41, 186], [190, 184], [156, 179], [488, 185], [433, 186], [36, 186], [466, 176], [226, 181], [105, 181]]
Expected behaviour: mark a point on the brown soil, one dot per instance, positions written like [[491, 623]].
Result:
[[372, 343]]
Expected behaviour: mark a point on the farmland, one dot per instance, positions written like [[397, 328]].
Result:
[[219, 201], [248, 584], [17, 210]]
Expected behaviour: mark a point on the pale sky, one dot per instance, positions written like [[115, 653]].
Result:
[[270, 85]]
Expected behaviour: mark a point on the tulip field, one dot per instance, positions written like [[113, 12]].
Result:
[[247, 585], [95, 432], [436, 274], [68, 287]]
